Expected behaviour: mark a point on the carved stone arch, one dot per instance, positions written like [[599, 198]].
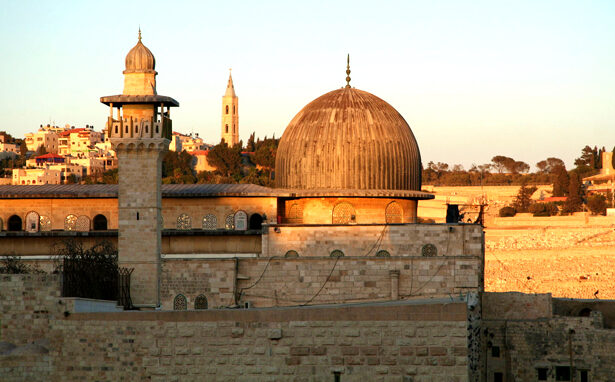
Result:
[[393, 213], [120, 146], [344, 213], [82, 224], [141, 146], [32, 221], [240, 220], [151, 146], [131, 146]]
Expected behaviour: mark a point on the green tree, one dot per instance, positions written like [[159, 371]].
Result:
[[251, 145], [177, 168], [226, 160], [574, 203], [597, 204], [523, 200], [561, 181]]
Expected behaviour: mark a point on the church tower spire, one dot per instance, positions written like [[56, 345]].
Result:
[[230, 114]]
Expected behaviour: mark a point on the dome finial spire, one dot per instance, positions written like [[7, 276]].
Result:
[[139, 32], [348, 71]]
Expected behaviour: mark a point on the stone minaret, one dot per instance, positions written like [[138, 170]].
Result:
[[140, 134], [230, 114]]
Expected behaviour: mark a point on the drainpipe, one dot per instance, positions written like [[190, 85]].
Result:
[[394, 274]]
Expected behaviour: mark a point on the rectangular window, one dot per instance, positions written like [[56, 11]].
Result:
[[584, 375], [495, 352], [562, 373], [498, 377], [542, 373]]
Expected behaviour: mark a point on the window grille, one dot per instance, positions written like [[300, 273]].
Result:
[[210, 222], [393, 213], [180, 302], [200, 302], [184, 222], [344, 213], [44, 223], [70, 223]]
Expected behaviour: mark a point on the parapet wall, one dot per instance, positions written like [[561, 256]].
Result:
[[367, 240]]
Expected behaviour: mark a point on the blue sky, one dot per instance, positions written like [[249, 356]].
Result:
[[526, 79]]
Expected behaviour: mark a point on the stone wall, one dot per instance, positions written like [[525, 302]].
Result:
[[27, 304], [516, 306], [402, 341], [313, 280], [367, 240], [522, 336]]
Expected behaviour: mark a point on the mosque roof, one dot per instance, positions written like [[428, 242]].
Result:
[[67, 191], [348, 139]]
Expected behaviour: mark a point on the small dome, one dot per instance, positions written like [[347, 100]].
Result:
[[348, 139], [140, 59]]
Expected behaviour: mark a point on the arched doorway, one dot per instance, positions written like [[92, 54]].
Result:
[[100, 223], [32, 221], [256, 221], [14, 223]]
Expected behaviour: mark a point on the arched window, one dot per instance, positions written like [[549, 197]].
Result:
[[291, 254], [226, 129], [180, 302], [100, 223], [83, 224], [200, 302], [184, 222], [70, 223], [337, 253], [210, 222], [32, 221], [343, 213], [256, 221], [383, 253], [229, 222], [429, 250], [45, 223], [14, 223], [295, 214], [226, 109], [393, 213]]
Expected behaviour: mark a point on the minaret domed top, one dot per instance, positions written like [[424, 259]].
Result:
[[140, 59]]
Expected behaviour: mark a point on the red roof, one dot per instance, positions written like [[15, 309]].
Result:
[[68, 132], [49, 156], [554, 199]]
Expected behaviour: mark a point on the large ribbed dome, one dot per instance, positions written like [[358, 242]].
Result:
[[140, 59], [348, 139]]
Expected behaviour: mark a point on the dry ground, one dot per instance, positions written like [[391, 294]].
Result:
[[577, 269]]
